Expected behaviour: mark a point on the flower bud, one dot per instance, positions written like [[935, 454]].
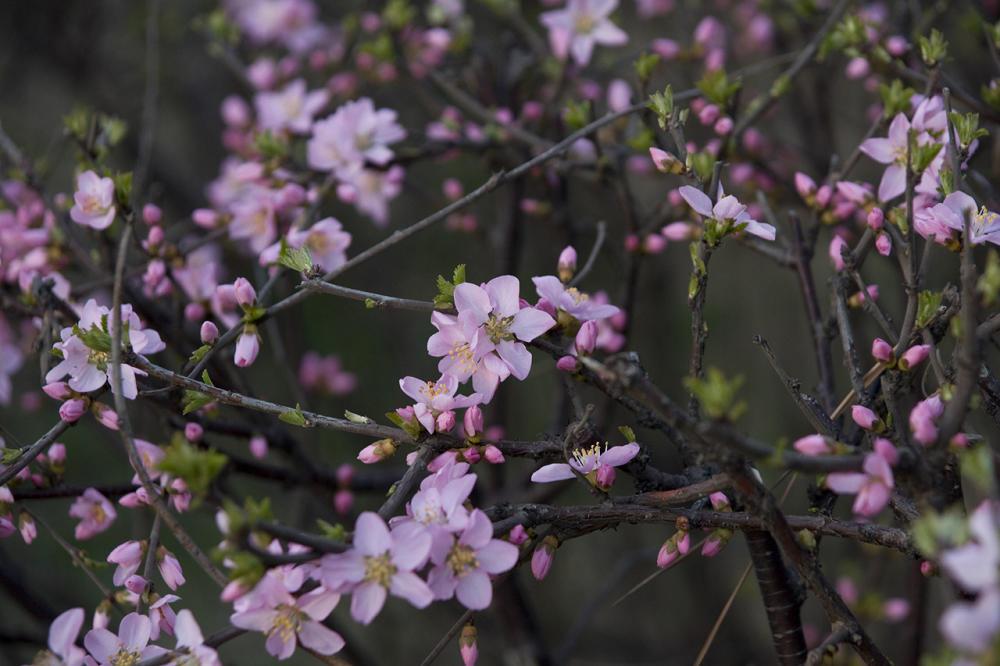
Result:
[[866, 418], [343, 500], [233, 591], [194, 311], [604, 477], [151, 214], [668, 552], [155, 237], [715, 542], [858, 68], [719, 501], [170, 568], [837, 245], [493, 455], [471, 455], [247, 346], [568, 363], [654, 244], [677, 231], [467, 645], [805, 186], [135, 583], [541, 559], [193, 432], [446, 421], [26, 525], [812, 445], [377, 451], [709, 114], [517, 535], [57, 454], [882, 351], [914, 356], [206, 218], [927, 568], [102, 615], [345, 474], [586, 338], [452, 189], [723, 126], [258, 446], [883, 243], [876, 218], [57, 390], [71, 410], [246, 295], [567, 263], [823, 196], [665, 162], [472, 421], [896, 609], [106, 416], [209, 332]]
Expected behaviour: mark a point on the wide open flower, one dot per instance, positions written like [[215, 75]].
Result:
[[326, 241], [287, 620], [984, 225], [435, 398], [381, 562], [291, 108], [572, 301], [873, 485], [727, 210], [579, 26], [190, 638], [586, 462], [503, 325], [93, 201], [463, 567], [95, 512], [128, 647]]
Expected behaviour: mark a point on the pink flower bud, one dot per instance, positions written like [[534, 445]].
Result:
[[719, 501], [668, 553], [865, 417], [823, 196], [567, 263], [57, 390], [927, 568], [812, 445], [472, 421], [345, 474], [654, 244], [106, 416], [683, 542], [193, 432], [896, 609], [677, 231], [837, 245], [568, 364], [233, 591], [151, 214], [246, 295], [517, 535], [468, 645], [914, 356], [26, 526], [57, 454], [541, 559], [631, 242], [883, 243], [247, 346], [136, 584], [665, 48], [959, 440], [209, 332], [71, 410], [471, 455], [723, 126], [586, 338], [452, 189], [876, 218], [446, 421], [605, 477], [377, 451], [896, 45], [882, 351], [709, 114], [206, 218], [712, 546], [804, 185], [170, 568], [258, 446], [235, 111], [343, 500], [194, 311], [154, 237], [858, 68], [493, 455]]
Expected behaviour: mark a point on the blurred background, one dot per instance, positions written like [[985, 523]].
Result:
[[57, 55]]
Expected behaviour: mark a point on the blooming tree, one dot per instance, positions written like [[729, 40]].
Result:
[[175, 331]]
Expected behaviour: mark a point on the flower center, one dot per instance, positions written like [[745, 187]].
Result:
[[92, 204], [591, 453], [461, 353], [434, 389], [498, 328], [584, 24], [98, 514], [984, 219], [379, 570], [462, 559], [286, 622], [125, 658], [99, 359], [577, 295]]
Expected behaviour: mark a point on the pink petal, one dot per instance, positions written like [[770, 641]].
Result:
[[470, 298], [408, 585], [367, 601], [497, 556], [529, 323], [893, 183], [552, 472], [697, 199], [845, 483], [503, 292], [517, 357], [134, 631], [371, 536], [617, 456], [879, 149], [474, 590], [319, 639]]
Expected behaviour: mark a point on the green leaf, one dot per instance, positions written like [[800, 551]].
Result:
[[298, 259], [717, 395], [933, 49], [458, 275], [336, 532], [197, 467], [193, 401], [295, 417], [662, 104], [95, 338], [627, 433], [989, 281], [928, 303], [199, 353], [645, 64], [356, 418], [895, 98], [718, 88]]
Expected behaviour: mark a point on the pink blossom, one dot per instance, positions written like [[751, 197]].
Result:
[[62, 641], [93, 201], [472, 421], [896, 609], [129, 646], [812, 445], [873, 485], [914, 356], [567, 262], [354, 134], [291, 108], [875, 218], [928, 122], [170, 568], [128, 557], [247, 346], [542, 557], [975, 566], [726, 210], [72, 410], [190, 639], [572, 301], [493, 455], [433, 398], [582, 24], [370, 190], [379, 563], [326, 241], [586, 462], [882, 351], [984, 225], [837, 247], [287, 620], [865, 417], [923, 419], [972, 627], [463, 567], [95, 513]]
